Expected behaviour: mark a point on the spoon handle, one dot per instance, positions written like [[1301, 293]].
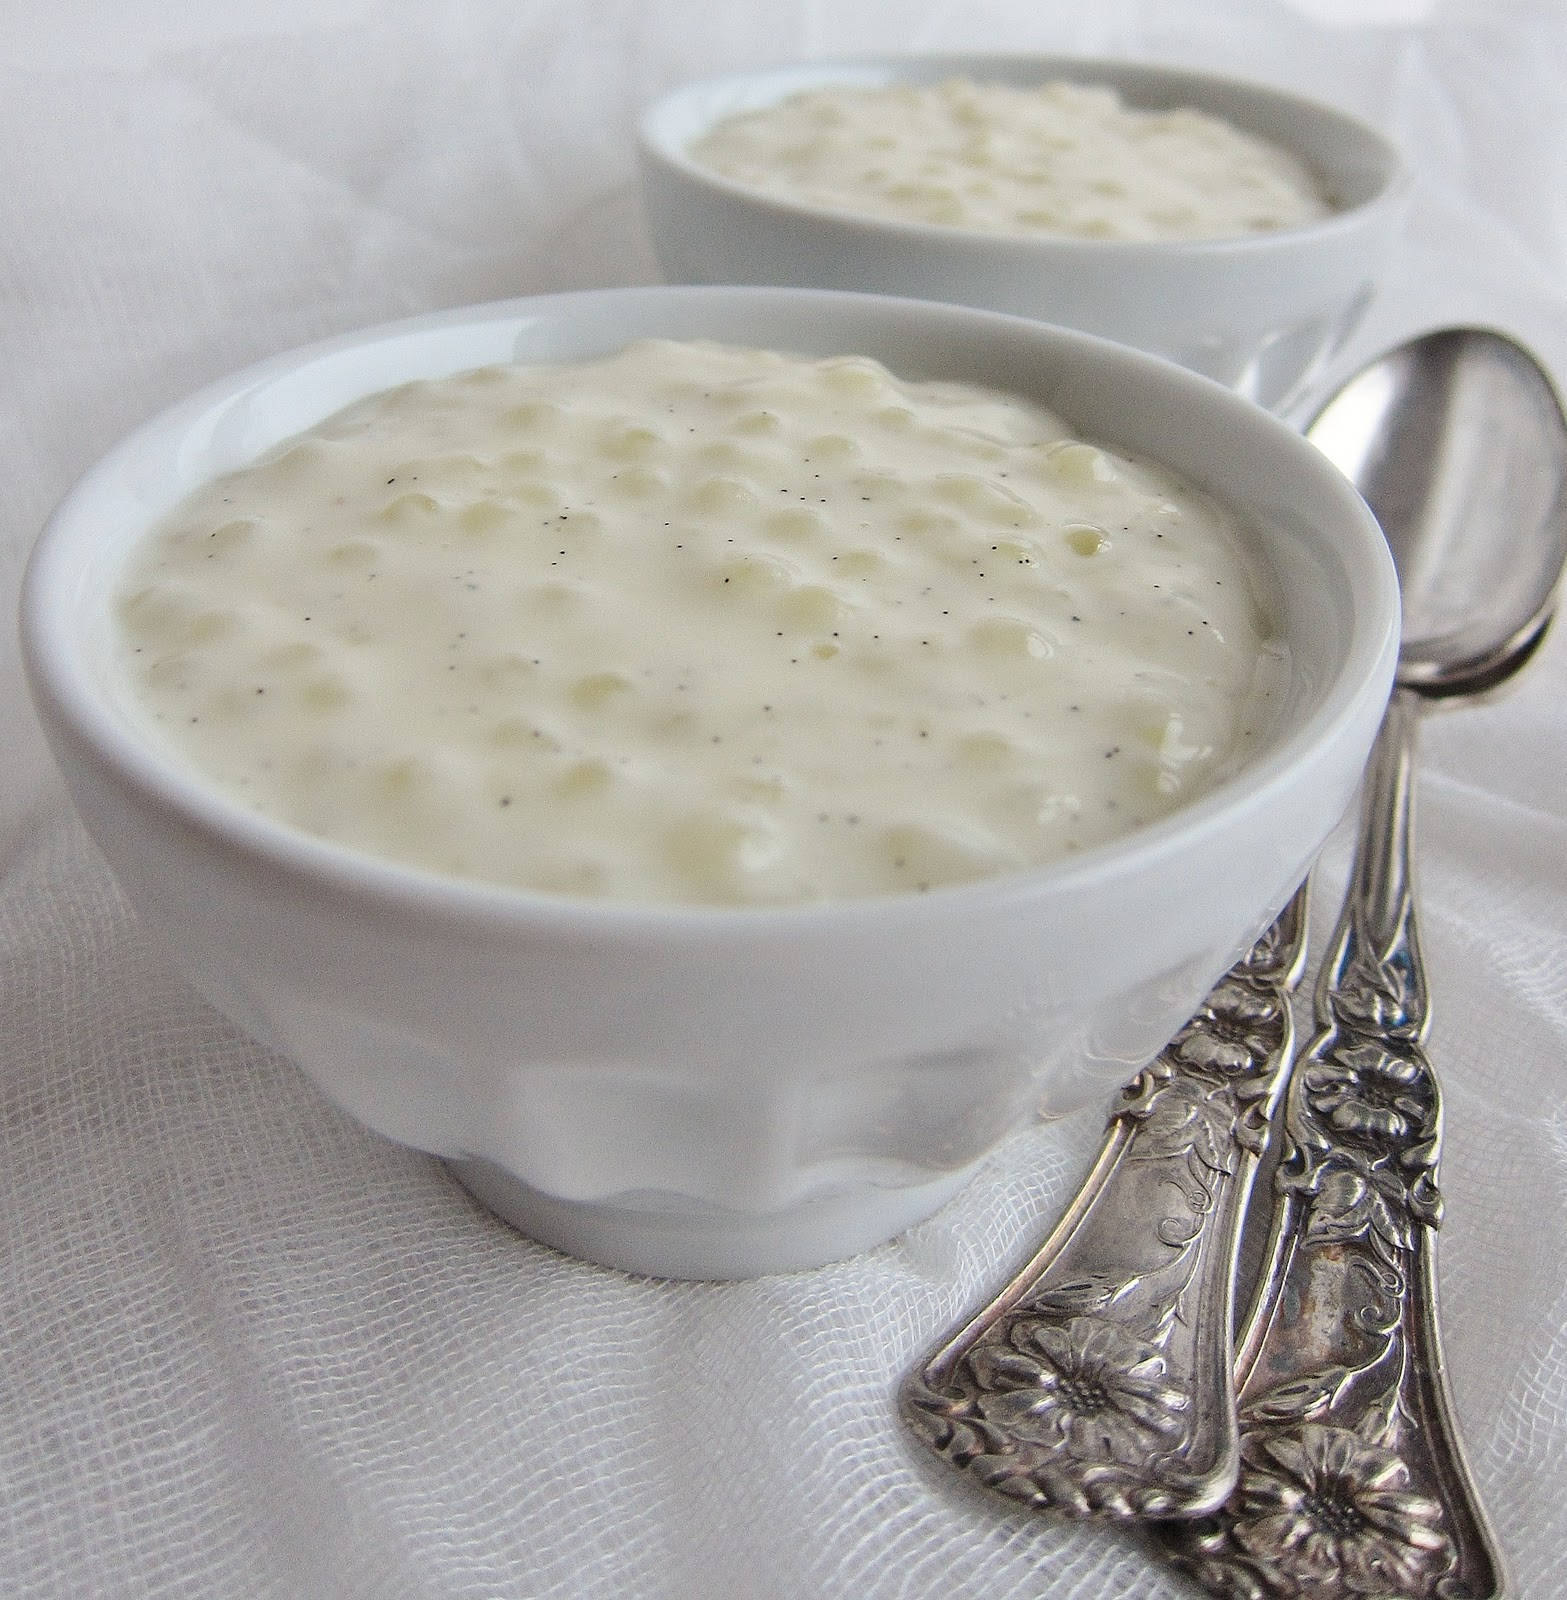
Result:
[[1100, 1382], [1352, 1480]]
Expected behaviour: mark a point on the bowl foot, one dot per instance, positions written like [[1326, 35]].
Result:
[[667, 1236]]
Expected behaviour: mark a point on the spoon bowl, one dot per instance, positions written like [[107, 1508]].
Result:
[[1457, 442]]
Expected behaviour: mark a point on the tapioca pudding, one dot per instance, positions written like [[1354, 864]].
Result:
[[702, 624], [1060, 158]]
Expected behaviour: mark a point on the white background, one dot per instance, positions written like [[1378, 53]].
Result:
[[249, 1350]]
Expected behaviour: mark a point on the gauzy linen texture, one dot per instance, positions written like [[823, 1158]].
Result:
[[248, 1349]]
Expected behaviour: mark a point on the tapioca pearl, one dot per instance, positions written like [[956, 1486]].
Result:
[[452, 471], [631, 441], [963, 104], [355, 555], [796, 525], [758, 423], [977, 148], [926, 855], [1010, 638], [1142, 716], [788, 395], [878, 664], [296, 655], [413, 510], [171, 545], [930, 202], [729, 459], [232, 704], [1181, 621], [1013, 552], [533, 416], [298, 462], [813, 608], [575, 523], [1174, 219], [231, 538], [1051, 808], [767, 790], [536, 498], [596, 691], [585, 779], [399, 782], [723, 497], [173, 672], [162, 611], [894, 418], [319, 762], [355, 633], [552, 599], [968, 442], [507, 671], [877, 489], [491, 376], [577, 874], [985, 751], [723, 855], [856, 378], [825, 114], [675, 727], [1097, 227], [1178, 754], [1070, 461], [323, 693], [1086, 538], [939, 531], [751, 574], [832, 449], [993, 503], [522, 733], [213, 625], [799, 154], [640, 482], [860, 564], [528, 464], [481, 519]]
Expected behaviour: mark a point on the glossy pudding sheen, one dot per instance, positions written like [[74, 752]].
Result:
[[697, 623], [1062, 158]]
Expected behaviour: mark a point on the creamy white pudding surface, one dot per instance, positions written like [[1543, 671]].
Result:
[[1062, 158], [701, 624]]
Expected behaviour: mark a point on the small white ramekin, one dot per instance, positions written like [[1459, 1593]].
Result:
[[1260, 313]]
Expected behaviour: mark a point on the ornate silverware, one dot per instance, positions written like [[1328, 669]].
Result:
[[1100, 1381], [1352, 1480]]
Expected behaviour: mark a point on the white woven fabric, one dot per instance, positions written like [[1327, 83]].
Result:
[[247, 1349]]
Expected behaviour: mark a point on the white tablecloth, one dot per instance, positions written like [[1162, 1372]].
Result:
[[247, 1349]]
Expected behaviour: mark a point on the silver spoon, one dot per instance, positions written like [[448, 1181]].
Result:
[[1100, 1381], [1352, 1478]]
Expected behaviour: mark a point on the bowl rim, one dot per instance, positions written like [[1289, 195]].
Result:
[[655, 144], [64, 683]]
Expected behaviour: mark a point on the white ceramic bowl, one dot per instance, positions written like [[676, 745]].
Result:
[[695, 1091], [1260, 313]]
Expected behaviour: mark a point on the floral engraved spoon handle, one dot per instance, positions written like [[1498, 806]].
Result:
[[1099, 1383], [1352, 1480]]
